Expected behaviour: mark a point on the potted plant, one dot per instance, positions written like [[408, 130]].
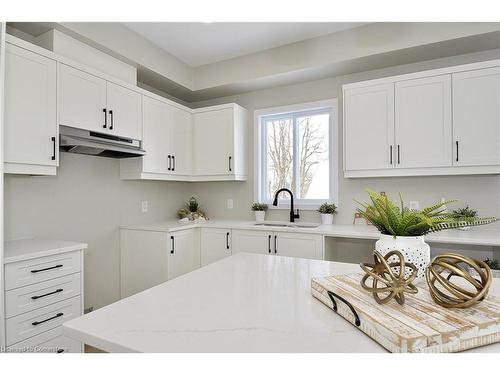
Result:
[[192, 211], [403, 229], [465, 214], [327, 210], [494, 266], [260, 211]]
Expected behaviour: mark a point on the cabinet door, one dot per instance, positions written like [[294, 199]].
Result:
[[369, 127], [423, 122], [215, 244], [180, 141], [157, 118], [299, 245], [213, 142], [252, 241], [82, 99], [183, 257], [30, 108], [476, 117], [124, 111]]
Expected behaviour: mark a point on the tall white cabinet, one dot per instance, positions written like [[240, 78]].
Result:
[[31, 133]]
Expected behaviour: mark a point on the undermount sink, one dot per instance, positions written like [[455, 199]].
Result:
[[287, 225]]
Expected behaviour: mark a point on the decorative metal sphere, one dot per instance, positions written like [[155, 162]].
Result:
[[391, 276], [451, 283]]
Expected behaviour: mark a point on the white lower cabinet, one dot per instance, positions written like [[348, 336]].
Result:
[[215, 244], [52, 341], [149, 258], [298, 245]]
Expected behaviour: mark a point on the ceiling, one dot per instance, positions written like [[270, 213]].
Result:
[[197, 43]]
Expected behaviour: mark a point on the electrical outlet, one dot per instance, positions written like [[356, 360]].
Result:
[[415, 205], [144, 206], [230, 204]]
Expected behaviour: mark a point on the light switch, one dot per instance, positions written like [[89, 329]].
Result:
[[144, 206], [230, 204]]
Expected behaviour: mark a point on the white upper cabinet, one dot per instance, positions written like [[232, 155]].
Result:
[[31, 137], [476, 117], [181, 142], [219, 145], [124, 111], [423, 122], [82, 100], [369, 125]]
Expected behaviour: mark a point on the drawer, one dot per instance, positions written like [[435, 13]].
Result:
[[31, 297], [52, 341], [33, 271], [24, 326]]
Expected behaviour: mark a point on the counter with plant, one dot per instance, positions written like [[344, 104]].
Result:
[[260, 211], [327, 210]]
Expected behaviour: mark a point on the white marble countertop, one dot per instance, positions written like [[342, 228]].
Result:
[[18, 250], [243, 303], [476, 236]]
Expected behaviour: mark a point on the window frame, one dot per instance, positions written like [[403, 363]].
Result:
[[260, 144]]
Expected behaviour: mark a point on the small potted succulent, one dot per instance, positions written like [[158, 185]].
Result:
[[192, 211], [327, 210], [465, 214], [260, 211]]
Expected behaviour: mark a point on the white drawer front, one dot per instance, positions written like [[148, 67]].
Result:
[[31, 297], [41, 269], [32, 323], [52, 341]]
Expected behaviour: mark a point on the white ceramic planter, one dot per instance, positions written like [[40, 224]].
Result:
[[414, 250], [260, 216], [327, 219]]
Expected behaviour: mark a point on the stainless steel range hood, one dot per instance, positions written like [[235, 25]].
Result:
[[87, 142]]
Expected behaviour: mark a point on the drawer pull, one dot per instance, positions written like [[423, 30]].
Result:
[[47, 294], [46, 269], [58, 315]]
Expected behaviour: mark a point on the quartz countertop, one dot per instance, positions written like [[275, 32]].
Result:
[[243, 303], [475, 236], [19, 250]]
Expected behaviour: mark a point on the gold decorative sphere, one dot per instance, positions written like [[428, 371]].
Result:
[[390, 277], [451, 283]]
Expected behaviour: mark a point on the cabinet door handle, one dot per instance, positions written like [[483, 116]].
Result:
[[105, 118], [112, 122], [53, 148], [276, 244], [456, 143], [48, 294], [173, 245], [390, 155], [59, 351], [169, 163], [47, 269], [230, 166], [399, 159], [227, 240], [173, 163], [269, 244], [58, 315]]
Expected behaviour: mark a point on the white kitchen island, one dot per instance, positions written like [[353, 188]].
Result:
[[243, 303]]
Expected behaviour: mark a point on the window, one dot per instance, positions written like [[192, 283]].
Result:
[[296, 149]]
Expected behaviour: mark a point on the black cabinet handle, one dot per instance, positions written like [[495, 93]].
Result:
[[398, 156], [230, 167], [456, 142], [47, 294], [58, 315], [46, 269], [227, 240], [390, 155], [269, 244], [173, 163], [276, 244], [59, 351], [53, 148], [169, 163], [173, 245], [112, 122], [105, 118]]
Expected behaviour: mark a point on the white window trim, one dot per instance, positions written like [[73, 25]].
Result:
[[334, 151]]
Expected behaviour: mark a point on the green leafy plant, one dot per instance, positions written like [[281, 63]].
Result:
[[259, 207], [395, 220], [465, 212], [192, 204], [190, 209], [492, 263], [327, 208]]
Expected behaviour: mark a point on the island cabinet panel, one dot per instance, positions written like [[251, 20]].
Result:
[[215, 244], [476, 117]]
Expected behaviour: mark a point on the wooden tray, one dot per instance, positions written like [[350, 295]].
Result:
[[420, 325]]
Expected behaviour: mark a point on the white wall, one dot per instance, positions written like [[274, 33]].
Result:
[[87, 202], [481, 192]]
